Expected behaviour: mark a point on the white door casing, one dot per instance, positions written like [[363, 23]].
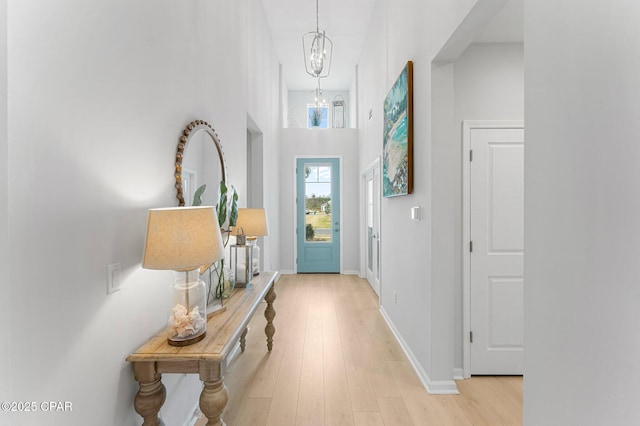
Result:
[[494, 238], [371, 222]]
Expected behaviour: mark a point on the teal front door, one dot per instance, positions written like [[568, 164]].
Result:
[[318, 215]]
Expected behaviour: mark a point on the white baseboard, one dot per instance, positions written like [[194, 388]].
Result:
[[436, 387], [351, 272], [287, 272], [458, 374]]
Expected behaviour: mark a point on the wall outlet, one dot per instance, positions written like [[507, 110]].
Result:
[[113, 278]]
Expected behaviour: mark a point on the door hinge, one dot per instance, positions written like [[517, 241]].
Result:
[[471, 246], [471, 155], [296, 260], [471, 336]]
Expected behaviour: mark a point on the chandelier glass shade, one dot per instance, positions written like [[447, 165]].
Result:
[[319, 99]]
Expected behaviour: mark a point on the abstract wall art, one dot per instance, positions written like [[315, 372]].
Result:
[[397, 152]]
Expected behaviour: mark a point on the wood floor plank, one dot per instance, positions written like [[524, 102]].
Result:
[[311, 404], [312, 349], [337, 399], [255, 412], [394, 412], [485, 402], [450, 409], [368, 419], [337, 404], [238, 380], [266, 375], [363, 396], [284, 404]]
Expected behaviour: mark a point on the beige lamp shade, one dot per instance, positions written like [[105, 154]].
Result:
[[253, 222], [182, 239]]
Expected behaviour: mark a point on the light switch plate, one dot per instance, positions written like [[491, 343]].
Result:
[[113, 278], [415, 213]]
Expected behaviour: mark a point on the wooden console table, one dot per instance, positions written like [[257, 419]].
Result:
[[206, 357]]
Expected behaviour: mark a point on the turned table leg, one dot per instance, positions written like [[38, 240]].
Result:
[[214, 395], [243, 340], [151, 394], [270, 314]]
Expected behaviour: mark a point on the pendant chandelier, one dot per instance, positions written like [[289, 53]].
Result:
[[317, 114], [317, 49], [319, 99]]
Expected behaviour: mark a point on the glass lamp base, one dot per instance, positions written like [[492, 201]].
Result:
[[188, 319]]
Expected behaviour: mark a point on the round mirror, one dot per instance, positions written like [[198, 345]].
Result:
[[199, 161]]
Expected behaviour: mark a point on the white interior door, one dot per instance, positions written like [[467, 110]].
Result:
[[496, 172], [372, 226]]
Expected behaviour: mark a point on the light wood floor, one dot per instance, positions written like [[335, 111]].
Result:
[[336, 362]]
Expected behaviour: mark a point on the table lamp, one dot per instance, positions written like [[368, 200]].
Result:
[[253, 222], [184, 239]]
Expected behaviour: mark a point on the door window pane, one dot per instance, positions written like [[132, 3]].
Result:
[[318, 217], [317, 116]]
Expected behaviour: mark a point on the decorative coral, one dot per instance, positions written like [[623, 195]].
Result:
[[183, 324]]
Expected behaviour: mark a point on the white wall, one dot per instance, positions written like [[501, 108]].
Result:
[[5, 285], [263, 107], [445, 215], [321, 142], [582, 103], [299, 99], [284, 98], [97, 96], [489, 82], [352, 104], [418, 316]]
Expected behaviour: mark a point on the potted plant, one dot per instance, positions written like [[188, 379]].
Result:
[[316, 117], [227, 212]]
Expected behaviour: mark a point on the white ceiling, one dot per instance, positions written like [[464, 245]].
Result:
[[346, 23]]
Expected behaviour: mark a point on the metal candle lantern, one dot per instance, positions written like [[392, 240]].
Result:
[[241, 260], [338, 112]]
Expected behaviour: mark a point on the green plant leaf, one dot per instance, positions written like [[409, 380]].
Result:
[[197, 197], [222, 204], [233, 207]]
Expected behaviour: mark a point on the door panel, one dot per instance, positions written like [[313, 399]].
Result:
[[318, 214], [497, 232], [505, 313], [506, 198]]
